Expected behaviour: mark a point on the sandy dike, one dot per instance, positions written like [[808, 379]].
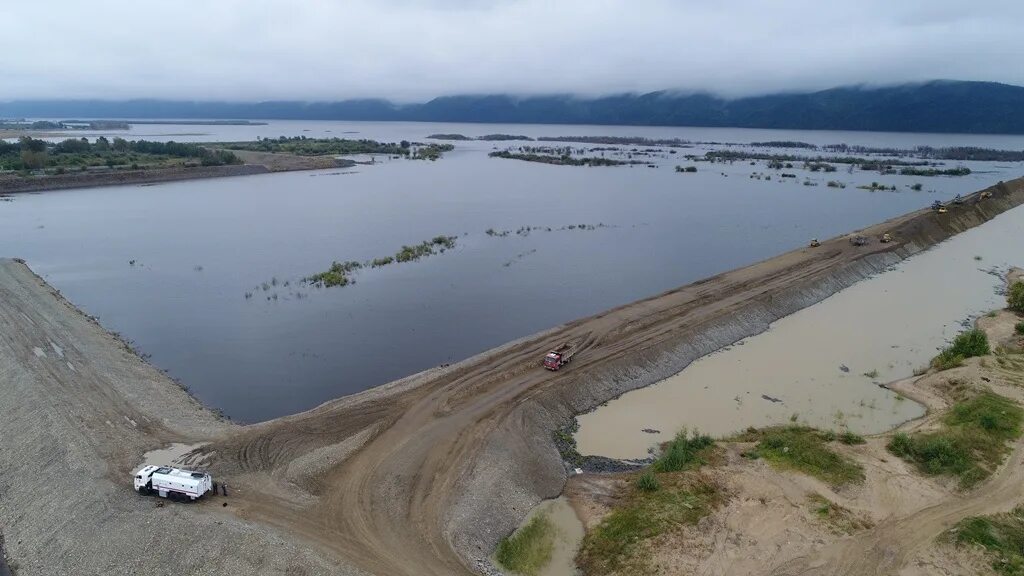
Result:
[[823, 363], [422, 476]]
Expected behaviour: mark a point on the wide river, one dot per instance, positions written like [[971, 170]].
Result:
[[169, 266]]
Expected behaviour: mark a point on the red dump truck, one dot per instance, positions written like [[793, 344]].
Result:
[[559, 357]]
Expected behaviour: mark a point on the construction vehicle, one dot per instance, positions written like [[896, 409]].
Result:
[[172, 483], [858, 240], [814, 243], [939, 207], [886, 238], [958, 199], [559, 356]]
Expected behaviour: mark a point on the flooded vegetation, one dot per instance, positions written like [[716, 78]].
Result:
[[546, 542], [484, 138], [304, 146], [559, 157], [340, 273], [517, 280]]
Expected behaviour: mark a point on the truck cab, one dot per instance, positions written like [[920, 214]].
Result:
[[172, 483], [143, 477], [553, 361]]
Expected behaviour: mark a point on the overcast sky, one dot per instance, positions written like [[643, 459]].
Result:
[[409, 50]]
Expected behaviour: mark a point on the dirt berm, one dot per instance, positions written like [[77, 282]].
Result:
[[421, 476]]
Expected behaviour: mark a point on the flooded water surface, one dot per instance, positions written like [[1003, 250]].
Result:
[[822, 365], [205, 276]]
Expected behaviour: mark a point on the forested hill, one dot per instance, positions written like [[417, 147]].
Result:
[[939, 106]]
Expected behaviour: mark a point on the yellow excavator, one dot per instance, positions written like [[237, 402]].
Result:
[[886, 238]]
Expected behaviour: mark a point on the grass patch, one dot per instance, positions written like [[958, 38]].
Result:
[[805, 450], [1001, 535], [1019, 328], [617, 544], [528, 549], [965, 345], [840, 519], [647, 482], [972, 443], [684, 452]]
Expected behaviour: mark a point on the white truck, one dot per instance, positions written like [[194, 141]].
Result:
[[172, 483]]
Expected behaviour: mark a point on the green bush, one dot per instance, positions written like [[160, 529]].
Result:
[[972, 443], [683, 452], [647, 482], [1019, 328], [966, 345], [1015, 298], [528, 549]]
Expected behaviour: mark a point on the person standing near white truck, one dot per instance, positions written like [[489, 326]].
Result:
[[172, 483]]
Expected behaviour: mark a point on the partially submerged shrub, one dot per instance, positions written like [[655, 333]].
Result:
[[1015, 297], [966, 345], [528, 549], [684, 451]]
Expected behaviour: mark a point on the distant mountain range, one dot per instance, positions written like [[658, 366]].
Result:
[[937, 106]]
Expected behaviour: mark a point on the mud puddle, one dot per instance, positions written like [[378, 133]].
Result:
[[822, 366], [568, 536], [176, 454]]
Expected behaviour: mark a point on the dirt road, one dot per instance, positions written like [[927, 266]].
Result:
[[422, 476]]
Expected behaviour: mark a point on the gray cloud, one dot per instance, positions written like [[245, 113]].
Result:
[[417, 49]]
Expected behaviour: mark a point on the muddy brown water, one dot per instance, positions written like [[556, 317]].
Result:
[[822, 366], [568, 536]]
